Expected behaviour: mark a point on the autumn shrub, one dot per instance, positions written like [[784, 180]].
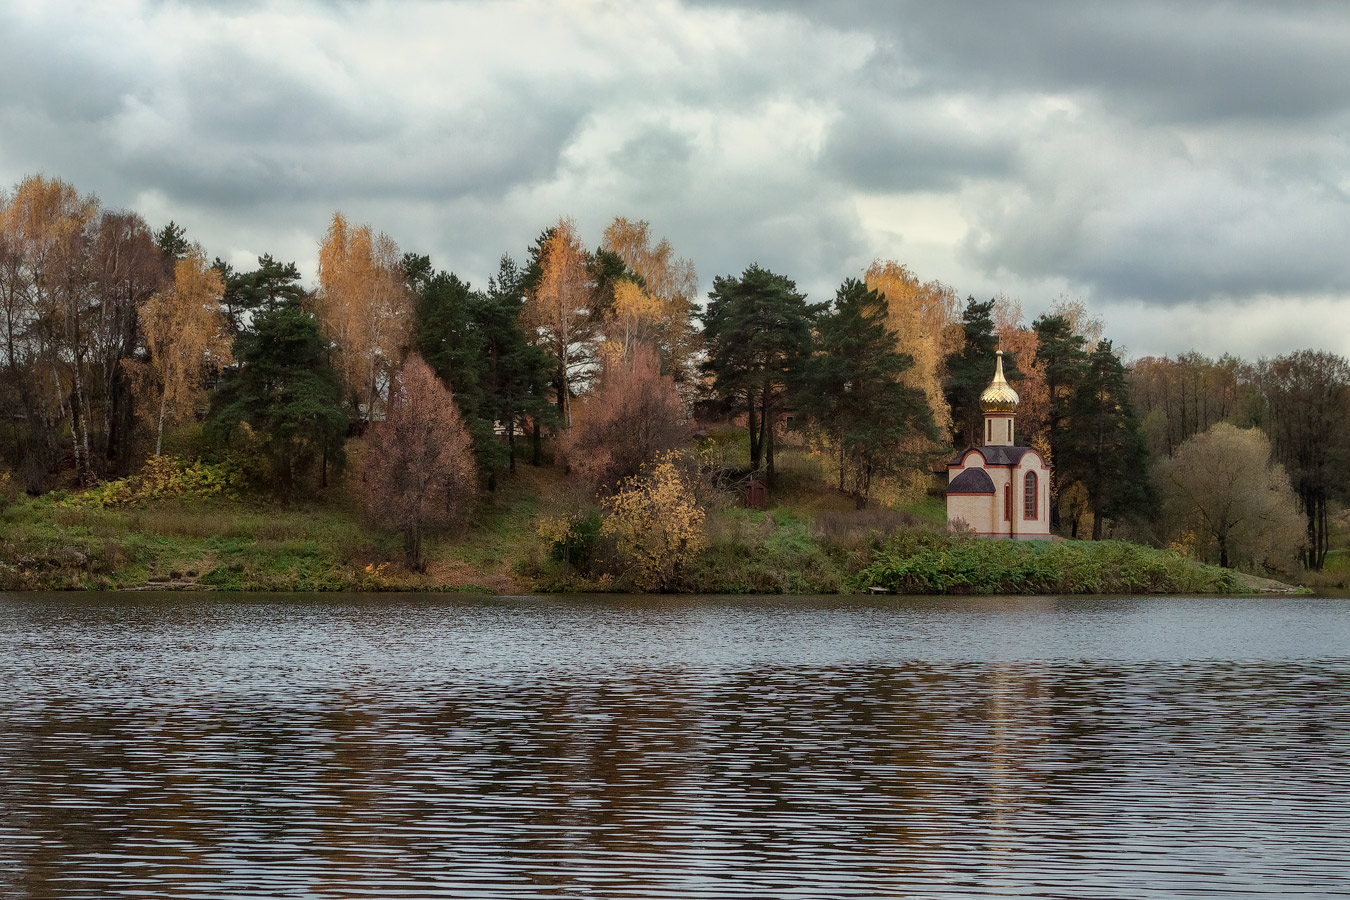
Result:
[[165, 478], [656, 523], [1225, 501], [8, 489], [572, 539]]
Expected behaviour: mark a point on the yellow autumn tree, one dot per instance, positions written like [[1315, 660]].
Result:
[[1020, 340], [365, 308], [922, 315], [656, 523], [556, 314], [1081, 321], [187, 337], [47, 227], [670, 284], [634, 322]]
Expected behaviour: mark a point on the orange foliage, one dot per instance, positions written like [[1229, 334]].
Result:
[[364, 308], [670, 283], [187, 336], [557, 312], [1018, 339], [633, 415], [922, 315]]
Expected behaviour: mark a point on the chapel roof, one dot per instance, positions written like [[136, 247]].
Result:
[[994, 455], [971, 481]]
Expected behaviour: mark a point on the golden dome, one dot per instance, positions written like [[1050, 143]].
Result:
[[999, 397]]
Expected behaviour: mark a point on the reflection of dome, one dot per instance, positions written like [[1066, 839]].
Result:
[[999, 397]]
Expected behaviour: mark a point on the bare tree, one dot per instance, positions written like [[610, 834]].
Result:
[[1305, 402]]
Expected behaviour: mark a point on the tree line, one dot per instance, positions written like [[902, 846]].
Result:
[[119, 340]]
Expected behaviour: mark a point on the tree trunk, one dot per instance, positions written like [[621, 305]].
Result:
[[159, 432], [842, 461], [511, 443], [766, 427], [538, 439], [412, 547], [83, 406], [754, 436]]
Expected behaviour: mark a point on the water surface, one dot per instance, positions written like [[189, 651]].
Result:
[[290, 746]]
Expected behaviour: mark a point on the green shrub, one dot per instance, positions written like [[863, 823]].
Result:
[[919, 563], [164, 478]]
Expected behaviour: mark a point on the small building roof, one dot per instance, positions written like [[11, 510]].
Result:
[[971, 481], [995, 456]]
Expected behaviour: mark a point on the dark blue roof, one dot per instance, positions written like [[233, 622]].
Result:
[[995, 456], [971, 481]]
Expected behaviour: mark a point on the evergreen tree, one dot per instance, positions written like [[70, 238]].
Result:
[[474, 342], [853, 393], [516, 369], [453, 345], [758, 334], [1064, 360], [173, 243], [970, 368], [265, 288], [1105, 447], [287, 392]]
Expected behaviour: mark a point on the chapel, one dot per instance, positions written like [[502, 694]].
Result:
[[998, 489]]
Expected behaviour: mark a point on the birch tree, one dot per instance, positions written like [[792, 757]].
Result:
[[365, 308], [557, 311], [186, 336], [924, 318]]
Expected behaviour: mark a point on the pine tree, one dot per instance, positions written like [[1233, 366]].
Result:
[[970, 368], [1061, 353], [1105, 446], [288, 394], [853, 390], [758, 334]]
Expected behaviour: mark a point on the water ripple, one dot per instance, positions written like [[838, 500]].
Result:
[[178, 746]]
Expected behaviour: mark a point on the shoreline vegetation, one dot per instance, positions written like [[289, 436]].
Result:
[[161, 535], [591, 420]]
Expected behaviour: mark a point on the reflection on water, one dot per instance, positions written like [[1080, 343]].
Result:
[[189, 746]]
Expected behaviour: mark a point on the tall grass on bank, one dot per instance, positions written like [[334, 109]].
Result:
[[929, 563]]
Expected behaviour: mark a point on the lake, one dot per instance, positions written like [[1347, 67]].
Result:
[[216, 746]]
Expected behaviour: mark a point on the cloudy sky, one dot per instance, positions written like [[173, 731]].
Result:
[[1184, 168]]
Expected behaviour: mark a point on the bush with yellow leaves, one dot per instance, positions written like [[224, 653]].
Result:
[[656, 523], [165, 478]]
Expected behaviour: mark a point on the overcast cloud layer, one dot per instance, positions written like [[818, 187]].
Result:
[[1184, 168]]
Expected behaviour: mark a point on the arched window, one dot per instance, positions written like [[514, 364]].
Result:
[[1030, 497]]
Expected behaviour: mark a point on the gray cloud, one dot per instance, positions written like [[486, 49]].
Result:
[[1161, 160]]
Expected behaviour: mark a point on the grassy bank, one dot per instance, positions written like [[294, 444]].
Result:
[[810, 541]]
